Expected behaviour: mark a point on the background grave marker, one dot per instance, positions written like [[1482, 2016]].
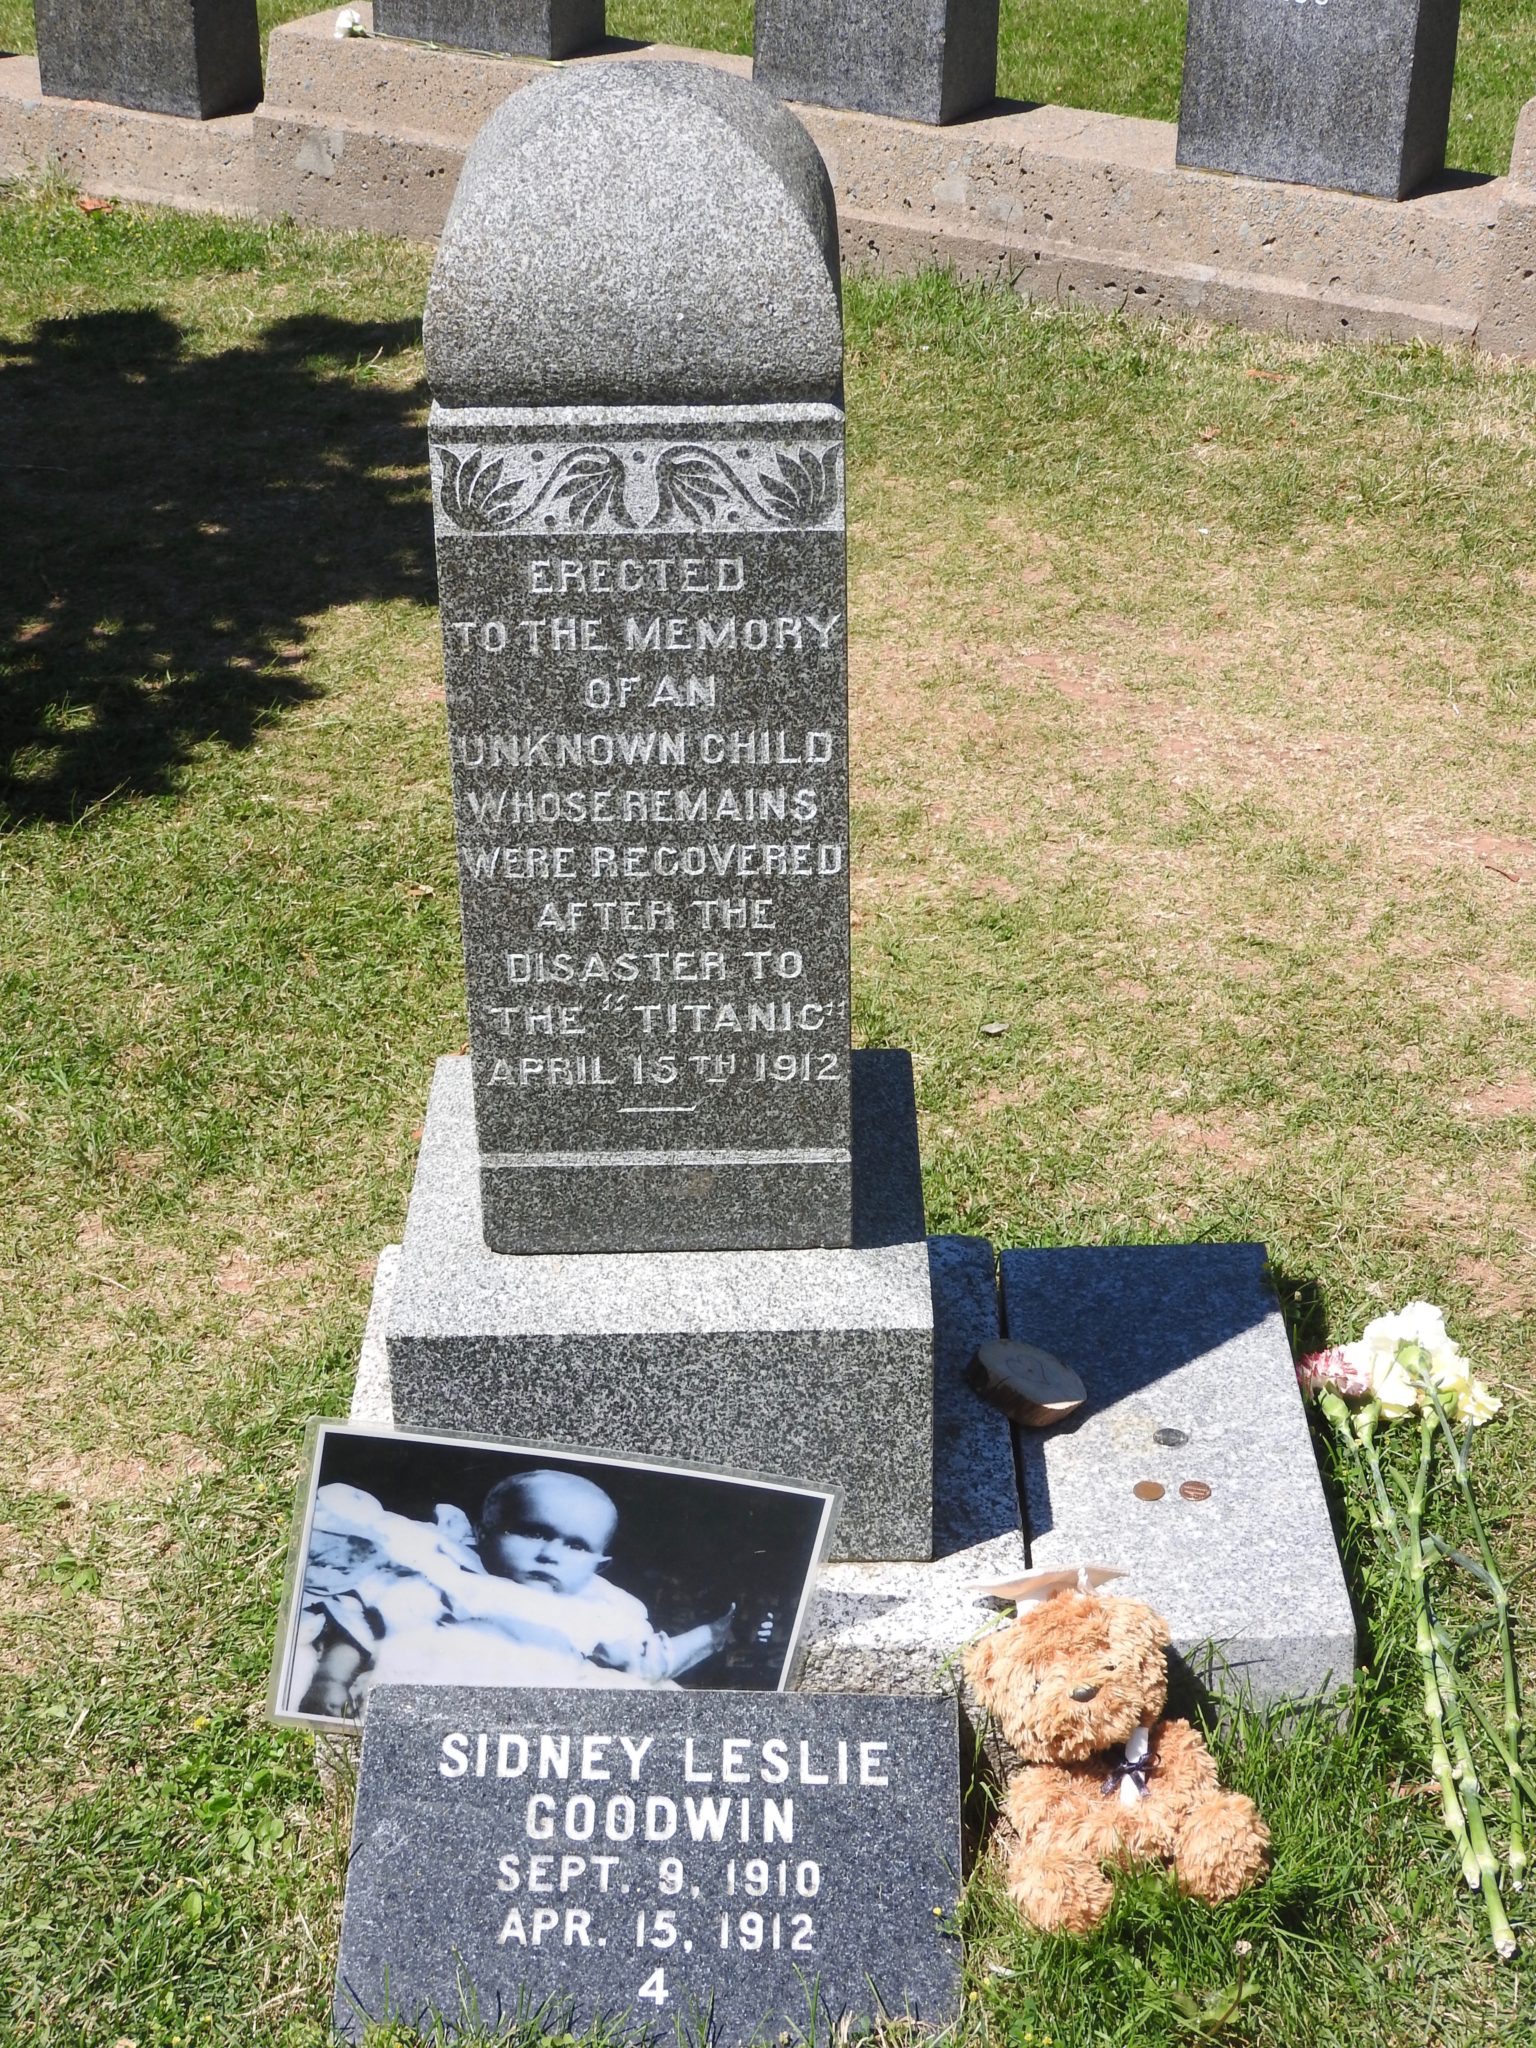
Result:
[[920, 60], [519, 28], [1348, 93], [195, 57]]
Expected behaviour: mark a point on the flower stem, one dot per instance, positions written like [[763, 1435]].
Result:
[[1461, 1462], [1460, 1792]]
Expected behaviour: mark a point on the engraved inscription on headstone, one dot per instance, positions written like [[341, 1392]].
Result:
[[917, 60], [645, 641], [745, 1863], [643, 611], [195, 57], [520, 28], [1354, 94]]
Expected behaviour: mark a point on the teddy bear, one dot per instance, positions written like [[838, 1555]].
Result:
[[1077, 1685]]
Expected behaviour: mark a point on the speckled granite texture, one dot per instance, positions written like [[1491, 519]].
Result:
[[638, 234], [1190, 1384], [789, 1363], [200, 58], [878, 1627], [1354, 94], [645, 659], [919, 60], [518, 28]]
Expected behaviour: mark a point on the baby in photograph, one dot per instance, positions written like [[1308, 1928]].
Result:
[[517, 1600]]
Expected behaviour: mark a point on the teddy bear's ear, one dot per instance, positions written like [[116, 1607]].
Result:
[[981, 1663]]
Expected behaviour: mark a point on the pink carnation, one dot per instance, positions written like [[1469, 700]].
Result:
[[1332, 1368]]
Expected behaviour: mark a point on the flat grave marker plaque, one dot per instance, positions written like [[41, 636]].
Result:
[[735, 1863]]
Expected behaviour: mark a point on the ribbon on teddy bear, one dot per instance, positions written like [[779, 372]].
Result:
[[1129, 1778]]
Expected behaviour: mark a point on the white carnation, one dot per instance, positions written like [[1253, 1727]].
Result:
[[1475, 1404], [1391, 1385]]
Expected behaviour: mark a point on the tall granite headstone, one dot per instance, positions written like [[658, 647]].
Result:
[[661, 1209], [637, 462], [195, 57], [918, 60], [516, 28], [1353, 94]]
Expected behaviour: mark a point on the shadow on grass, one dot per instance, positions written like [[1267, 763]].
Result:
[[173, 522]]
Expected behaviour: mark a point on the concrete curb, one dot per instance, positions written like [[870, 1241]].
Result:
[[1061, 205]]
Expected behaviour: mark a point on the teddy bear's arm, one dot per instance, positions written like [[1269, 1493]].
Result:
[[1222, 1848], [1183, 1771]]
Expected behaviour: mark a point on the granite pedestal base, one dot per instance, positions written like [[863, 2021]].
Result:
[[876, 1628], [1191, 1464], [795, 1364], [1183, 1339]]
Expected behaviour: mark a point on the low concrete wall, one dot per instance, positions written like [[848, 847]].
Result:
[[1058, 204], [162, 159]]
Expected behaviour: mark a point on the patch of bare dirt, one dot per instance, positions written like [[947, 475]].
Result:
[[89, 1481], [1495, 1288], [1211, 1137], [1515, 1097]]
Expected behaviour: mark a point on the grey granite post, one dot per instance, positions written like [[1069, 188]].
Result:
[[919, 60], [1354, 94], [194, 57], [517, 28], [634, 338]]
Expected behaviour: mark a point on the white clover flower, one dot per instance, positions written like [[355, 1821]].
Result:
[[348, 23]]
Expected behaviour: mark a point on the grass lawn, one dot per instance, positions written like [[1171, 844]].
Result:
[[1120, 56], [1194, 711]]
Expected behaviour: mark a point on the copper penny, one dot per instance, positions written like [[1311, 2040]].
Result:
[[1194, 1489], [1148, 1489]]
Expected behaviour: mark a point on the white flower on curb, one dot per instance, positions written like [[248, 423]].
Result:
[[349, 23]]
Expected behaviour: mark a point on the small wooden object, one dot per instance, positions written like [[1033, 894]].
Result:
[[1031, 1386]]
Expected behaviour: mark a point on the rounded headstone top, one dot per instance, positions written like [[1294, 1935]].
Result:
[[638, 233]]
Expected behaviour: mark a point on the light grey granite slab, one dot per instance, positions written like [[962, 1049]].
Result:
[[1354, 94], [790, 1363], [878, 1627], [1186, 1340]]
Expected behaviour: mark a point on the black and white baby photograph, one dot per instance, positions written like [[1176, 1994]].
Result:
[[430, 1560]]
